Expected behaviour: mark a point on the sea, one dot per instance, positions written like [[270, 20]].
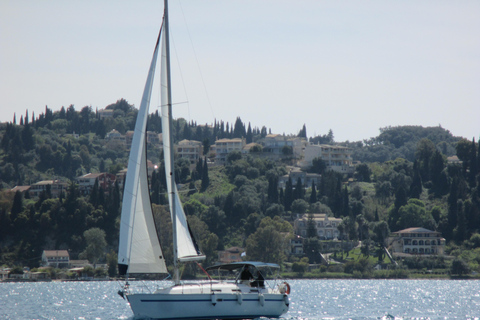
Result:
[[309, 299]]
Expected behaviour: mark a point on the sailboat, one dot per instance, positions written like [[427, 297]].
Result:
[[246, 296]]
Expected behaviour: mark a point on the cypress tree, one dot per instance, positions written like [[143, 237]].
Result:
[[437, 165], [400, 198], [17, 206], [299, 192], [416, 186], [345, 202], [313, 195], [205, 178], [249, 138], [94, 194], [473, 165], [288, 194], [272, 190]]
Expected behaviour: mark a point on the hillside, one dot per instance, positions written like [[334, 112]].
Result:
[[404, 180]]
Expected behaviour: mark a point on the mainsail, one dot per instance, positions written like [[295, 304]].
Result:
[[139, 248], [187, 250]]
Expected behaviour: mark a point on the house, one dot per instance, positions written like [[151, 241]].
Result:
[[115, 139], [326, 227], [153, 138], [232, 254], [190, 150], [306, 178], [56, 258], [4, 273], [251, 147], [275, 144], [87, 181], [56, 187], [105, 113], [414, 241], [120, 177], [296, 245], [225, 146], [454, 160], [337, 158], [22, 189]]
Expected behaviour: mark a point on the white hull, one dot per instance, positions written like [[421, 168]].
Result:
[[209, 301]]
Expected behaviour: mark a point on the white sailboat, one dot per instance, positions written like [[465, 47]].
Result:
[[139, 246]]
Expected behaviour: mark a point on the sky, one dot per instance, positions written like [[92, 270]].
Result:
[[350, 66]]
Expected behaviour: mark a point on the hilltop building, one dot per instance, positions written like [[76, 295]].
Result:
[[337, 158]]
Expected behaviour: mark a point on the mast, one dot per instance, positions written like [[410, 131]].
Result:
[[170, 120]]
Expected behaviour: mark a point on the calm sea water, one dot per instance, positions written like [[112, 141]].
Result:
[[310, 299]]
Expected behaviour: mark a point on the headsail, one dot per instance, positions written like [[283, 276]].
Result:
[[139, 248], [187, 250]]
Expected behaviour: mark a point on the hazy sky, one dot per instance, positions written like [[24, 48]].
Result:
[[349, 66]]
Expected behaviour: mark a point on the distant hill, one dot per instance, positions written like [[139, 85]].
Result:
[[401, 142]]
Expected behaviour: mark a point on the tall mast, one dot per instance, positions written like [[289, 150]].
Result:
[[170, 120]]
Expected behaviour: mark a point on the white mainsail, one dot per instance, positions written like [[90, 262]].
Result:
[[186, 248], [139, 248]]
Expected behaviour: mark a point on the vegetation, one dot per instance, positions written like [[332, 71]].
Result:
[[404, 181]]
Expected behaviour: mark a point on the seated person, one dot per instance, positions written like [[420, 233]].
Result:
[[259, 281], [246, 276]]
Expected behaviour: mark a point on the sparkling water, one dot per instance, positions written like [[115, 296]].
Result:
[[309, 299]]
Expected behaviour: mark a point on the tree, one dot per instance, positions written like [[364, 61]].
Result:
[[96, 244], [272, 195], [381, 232], [438, 178], [313, 194], [288, 194], [459, 267], [205, 178], [400, 198], [363, 172], [416, 186], [425, 150], [303, 132], [266, 244], [311, 227], [287, 150], [234, 156], [311, 247], [473, 165], [318, 166], [300, 267], [17, 206], [112, 264], [249, 137], [206, 146], [414, 214], [299, 190]]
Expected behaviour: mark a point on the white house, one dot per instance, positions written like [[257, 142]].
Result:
[[224, 146], [56, 187], [55, 258], [189, 149], [326, 227], [337, 158], [416, 241], [87, 181], [274, 143]]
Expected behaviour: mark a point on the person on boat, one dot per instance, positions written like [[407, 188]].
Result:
[[259, 280], [246, 276]]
